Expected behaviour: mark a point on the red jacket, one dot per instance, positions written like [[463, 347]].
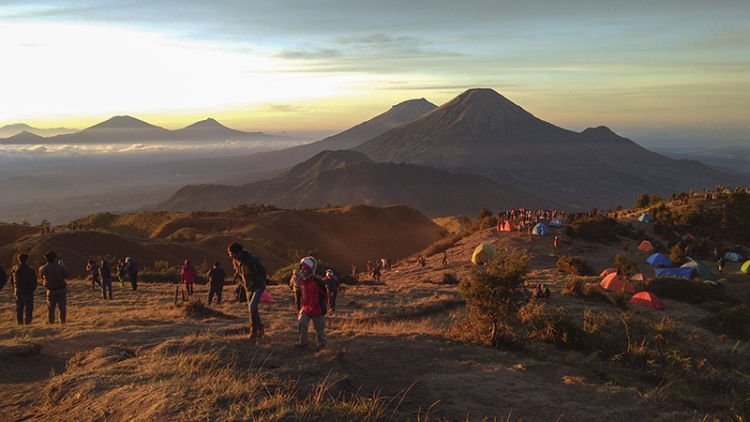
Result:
[[188, 274], [314, 296]]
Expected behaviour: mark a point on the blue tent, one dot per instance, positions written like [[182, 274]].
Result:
[[645, 218], [540, 230], [556, 222], [681, 272], [659, 259], [733, 256]]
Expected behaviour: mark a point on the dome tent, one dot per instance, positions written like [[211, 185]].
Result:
[[659, 259], [616, 283], [483, 254], [647, 299], [645, 218], [646, 246], [540, 230]]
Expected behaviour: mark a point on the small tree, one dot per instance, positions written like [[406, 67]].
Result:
[[643, 201], [494, 294]]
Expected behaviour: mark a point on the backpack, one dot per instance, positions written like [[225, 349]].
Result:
[[322, 294], [3, 278]]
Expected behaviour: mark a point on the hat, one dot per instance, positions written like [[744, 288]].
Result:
[[307, 265]]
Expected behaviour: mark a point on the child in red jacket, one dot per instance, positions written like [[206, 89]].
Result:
[[188, 276], [313, 302]]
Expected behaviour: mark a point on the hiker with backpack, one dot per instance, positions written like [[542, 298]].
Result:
[[131, 269], [105, 274], [253, 278], [332, 284], [53, 277], [314, 303], [188, 276], [24, 282], [216, 276], [93, 270]]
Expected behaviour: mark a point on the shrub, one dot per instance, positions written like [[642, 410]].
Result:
[[624, 264], [493, 295], [593, 227], [572, 265], [642, 201]]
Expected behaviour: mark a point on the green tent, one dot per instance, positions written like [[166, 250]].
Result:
[[703, 270], [483, 254], [746, 267]]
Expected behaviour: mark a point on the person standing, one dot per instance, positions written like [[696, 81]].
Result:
[[24, 281], [188, 275], [93, 271], [131, 269], [216, 276], [332, 284], [105, 274], [253, 278], [720, 264], [556, 243], [53, 277], [314, 300], [296, 290]]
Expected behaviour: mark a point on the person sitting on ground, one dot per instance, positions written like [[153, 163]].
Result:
[[188, 276], [93, 269], [105, 274], [53, 277], [24, 281], [314, 302], [332, 284], [216, 276], [538, 293]]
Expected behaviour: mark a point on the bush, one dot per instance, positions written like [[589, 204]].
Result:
[[594, 228], [493, 295], [643, 201], [572, 265], [624, 264]]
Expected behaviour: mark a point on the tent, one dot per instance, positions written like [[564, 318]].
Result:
[[483, 254], [745, 267], [607, 271], [702, 269], [733, 256], [658, 259], [646, 246], [647, 299], [540, 230], [640, 277], [645, 218], [506, 226], [616, 283], [556, 222], [680, 272]]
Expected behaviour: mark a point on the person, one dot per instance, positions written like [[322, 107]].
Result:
[[369, 266], [121, 271], [294, 286], [314, 300], [376, 274], [720, 264], [131, 269], [187, 274], [53, 277], [421, 261], [24, 281], [253, 277], [556, 242], [445, 259], [105, 274], [332, 284], [93, 269], [355, 270], [216, 276]]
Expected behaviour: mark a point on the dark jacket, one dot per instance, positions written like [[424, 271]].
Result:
[[216, 276], [105, 272], [53, 276], [24, 280], [252, 271]]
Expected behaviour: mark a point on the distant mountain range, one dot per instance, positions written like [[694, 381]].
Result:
[[16, 128], [127, 129], [350, 177]]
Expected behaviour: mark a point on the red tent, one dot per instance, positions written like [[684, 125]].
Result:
[[616, 283], [648, 299], [506, 226], [607, 271], [646, 246]]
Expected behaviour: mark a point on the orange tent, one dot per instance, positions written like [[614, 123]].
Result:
[[640, 277], [506, 226], [648, 299], [616, 283], [607, 271], [646, 246]]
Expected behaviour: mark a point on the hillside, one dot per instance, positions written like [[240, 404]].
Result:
[[348, 177], [341, 236], [482, 132]]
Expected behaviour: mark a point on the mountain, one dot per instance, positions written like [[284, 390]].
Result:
[[349, 177], [482, 132], [16, 128], [128, 129]]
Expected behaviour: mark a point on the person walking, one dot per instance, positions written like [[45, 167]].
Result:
[[216, 276], [556, 243], [332, 284], [720, 264], [53, 277], [105, 274], [24, 281], [188, 276], [131, 269], [253, 277], [93, 270], [314, 301], [121, 274]]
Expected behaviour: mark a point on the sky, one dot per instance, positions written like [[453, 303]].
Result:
[[672, 69]]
